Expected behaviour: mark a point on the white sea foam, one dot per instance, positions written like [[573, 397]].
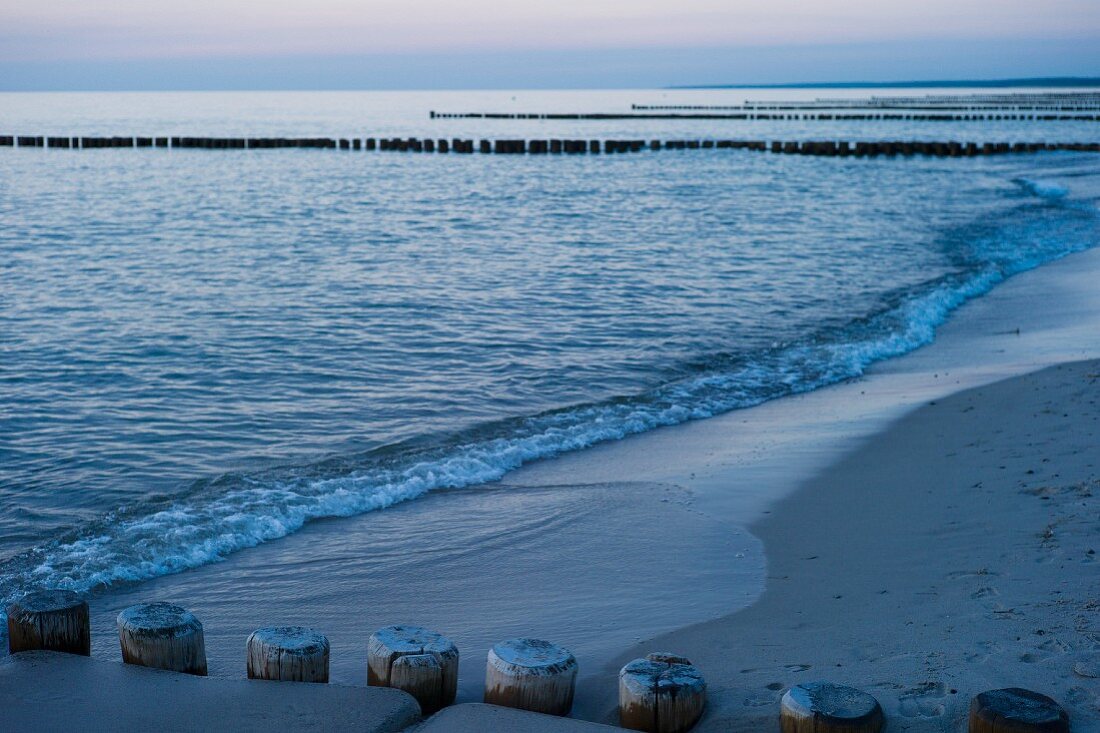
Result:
[[1043, 189]]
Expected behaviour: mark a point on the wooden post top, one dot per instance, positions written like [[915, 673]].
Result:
[[647, 674], [534, 654], [411, 640], [1016, 709], [830, 703], [296, 639], [161, 619], [41, 601]]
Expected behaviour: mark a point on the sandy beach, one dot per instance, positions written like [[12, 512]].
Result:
[[953, 553]]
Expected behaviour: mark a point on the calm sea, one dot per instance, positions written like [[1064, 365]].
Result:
[[201, 351]]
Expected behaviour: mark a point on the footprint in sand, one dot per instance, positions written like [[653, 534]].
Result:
[[1088, 665], [1047, 650], [979, 573], [1077, 695], [924, 701], [988, 648], [762, 699]]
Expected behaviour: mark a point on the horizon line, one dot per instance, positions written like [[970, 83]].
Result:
[[1036, 81], [1052, 82]]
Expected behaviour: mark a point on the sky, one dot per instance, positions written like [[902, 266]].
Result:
[[385, 44]]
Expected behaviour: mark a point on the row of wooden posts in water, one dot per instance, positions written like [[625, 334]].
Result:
[[835, 148], [834, 107], [986, 103], [660, 693], [808, 116]]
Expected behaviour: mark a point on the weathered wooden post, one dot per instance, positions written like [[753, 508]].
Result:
[[1014, 710], [163, 636], [662, 693], [288, 654], [822, 707], [531, 674], [56, 620], [416, 660]]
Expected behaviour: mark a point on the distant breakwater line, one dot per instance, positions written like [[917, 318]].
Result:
[[831, 148], [704, 113]]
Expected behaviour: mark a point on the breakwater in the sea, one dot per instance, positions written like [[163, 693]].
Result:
[[689, 113], [841, 148]]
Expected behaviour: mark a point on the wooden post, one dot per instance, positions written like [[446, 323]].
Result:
[[163, 636], [288, 654], [822, 707], [56, 620], [1014, 710], [531, 674], [662, 693], [419, 661]]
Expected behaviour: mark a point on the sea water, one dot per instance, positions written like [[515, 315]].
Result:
[[202, 351]]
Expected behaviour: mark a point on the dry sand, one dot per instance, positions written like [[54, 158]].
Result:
[[49, 691], [953, 553]]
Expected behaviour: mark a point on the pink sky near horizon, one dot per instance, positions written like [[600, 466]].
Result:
[[133, 29]]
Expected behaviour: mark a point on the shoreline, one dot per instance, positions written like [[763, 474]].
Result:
[[970, 565], [749, 464]]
